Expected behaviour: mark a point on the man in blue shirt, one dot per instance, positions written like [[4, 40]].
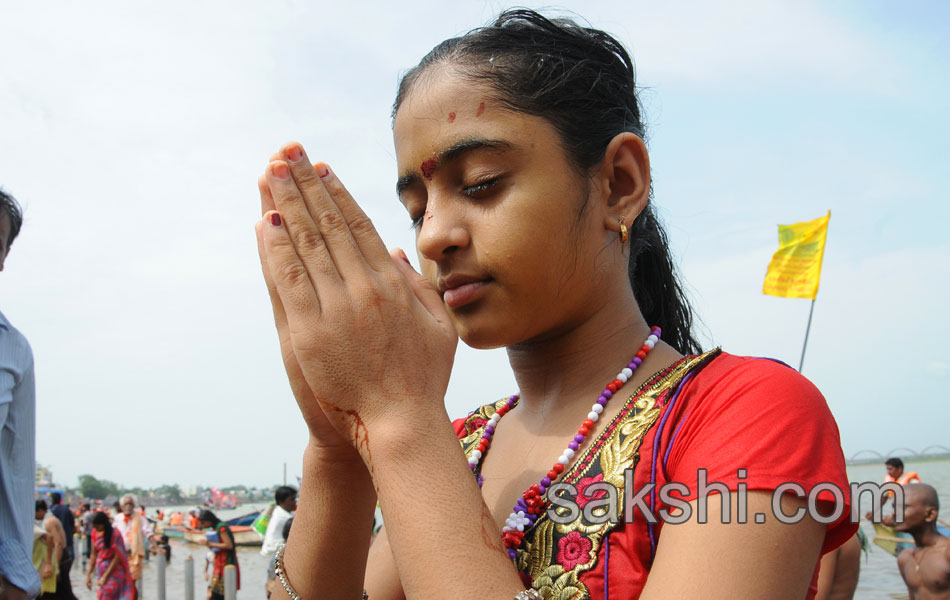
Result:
[[64, 587], [18, 578]]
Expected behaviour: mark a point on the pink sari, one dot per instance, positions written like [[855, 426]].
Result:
[[119, 585]]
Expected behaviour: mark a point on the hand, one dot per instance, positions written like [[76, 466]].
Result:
[[89, 581], [206, 576], [47, 571], [202, 541], [322, 433], [101, 581], [353, 312]]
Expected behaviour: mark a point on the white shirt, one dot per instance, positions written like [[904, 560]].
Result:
[[125, 529], [275, 530]]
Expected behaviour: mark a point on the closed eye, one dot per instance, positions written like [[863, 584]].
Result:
[[474, 190]]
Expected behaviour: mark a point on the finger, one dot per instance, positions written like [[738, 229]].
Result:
[[296, 290], [361, 227], [329, 220], [421, 287], [280, 317], [303, 233], [267, 200]]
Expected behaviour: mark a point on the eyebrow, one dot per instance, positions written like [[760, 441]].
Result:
[[451, 153]]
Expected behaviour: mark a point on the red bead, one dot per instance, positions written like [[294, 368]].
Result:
[[552, 475], [618, 383], [584, 431], [641, 355], [612, 387], [645, 348], [482, 447], [588, 424], [558, 467]]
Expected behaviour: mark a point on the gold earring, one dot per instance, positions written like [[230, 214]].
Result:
[[624, 236]]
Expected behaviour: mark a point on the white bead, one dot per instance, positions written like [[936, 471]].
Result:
[[653, 339], [649, 343], [591, 415], [513, 516], [494, 419], [597, 408], [626, 371], [563, 459], [520, 527], [477, 454], [506, 528], [621, 377], [568, 453]]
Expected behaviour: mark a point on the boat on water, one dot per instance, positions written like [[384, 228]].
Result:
[[243, 535]]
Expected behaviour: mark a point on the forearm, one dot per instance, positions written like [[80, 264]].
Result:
[[326, 552], [429, 498], [111, 567]]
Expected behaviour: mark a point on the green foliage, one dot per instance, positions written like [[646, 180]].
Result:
[[170, 491], [97, 489]]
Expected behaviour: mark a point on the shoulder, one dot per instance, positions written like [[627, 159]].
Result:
[[12, 339], [476, 420]]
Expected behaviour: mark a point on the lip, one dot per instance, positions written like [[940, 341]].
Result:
[[457, 290]]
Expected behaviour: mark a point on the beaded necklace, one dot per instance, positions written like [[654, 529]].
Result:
[[531, 503]]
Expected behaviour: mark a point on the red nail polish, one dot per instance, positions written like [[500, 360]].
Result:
[[322, 170], [275, 219], [294, 153]]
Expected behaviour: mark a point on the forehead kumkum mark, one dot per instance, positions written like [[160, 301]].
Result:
[[451, 117], [481, 109], [428, 167]]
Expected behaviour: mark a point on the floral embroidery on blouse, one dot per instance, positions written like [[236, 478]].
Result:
[[553, 556]]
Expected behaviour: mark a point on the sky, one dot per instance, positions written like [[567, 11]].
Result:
[[133, 135]]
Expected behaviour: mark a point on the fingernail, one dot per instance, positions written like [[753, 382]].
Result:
[[275, 219], [294, 153], [323, 170], [280, 170], [402, 254]]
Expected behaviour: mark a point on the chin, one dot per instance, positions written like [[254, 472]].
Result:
[[477, 333]]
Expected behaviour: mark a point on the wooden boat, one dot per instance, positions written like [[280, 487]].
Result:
[[243, 535], [245, 520]]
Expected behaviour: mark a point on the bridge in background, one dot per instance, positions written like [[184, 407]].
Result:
[[935, 452]]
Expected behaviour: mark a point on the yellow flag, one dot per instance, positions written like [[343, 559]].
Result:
[[796, 267]]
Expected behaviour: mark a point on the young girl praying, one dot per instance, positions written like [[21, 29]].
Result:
[[628, 463]]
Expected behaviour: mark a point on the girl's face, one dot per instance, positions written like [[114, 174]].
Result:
[[99, 527], [498, 211]]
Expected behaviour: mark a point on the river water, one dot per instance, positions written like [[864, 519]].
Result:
[[880, 579]]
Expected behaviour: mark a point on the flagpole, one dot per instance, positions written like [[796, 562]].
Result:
[[807, 329]]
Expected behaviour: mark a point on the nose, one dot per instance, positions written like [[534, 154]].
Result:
[[443, 232]]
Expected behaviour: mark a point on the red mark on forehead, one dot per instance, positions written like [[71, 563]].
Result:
[[428, 167], [451, 117], [481, 109]]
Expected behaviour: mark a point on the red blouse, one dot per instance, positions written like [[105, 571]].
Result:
[[714, 411]]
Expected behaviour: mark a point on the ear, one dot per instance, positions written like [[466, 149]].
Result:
[[624, 178]]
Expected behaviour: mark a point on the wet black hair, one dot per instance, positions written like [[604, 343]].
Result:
[[895, 462], [101, 518], [582, 81], [284, 492], [41, 504], [10, 208], [210, 517], [56, 498]]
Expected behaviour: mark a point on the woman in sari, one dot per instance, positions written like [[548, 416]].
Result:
[[109, 562], [522, 164], [224, 552]]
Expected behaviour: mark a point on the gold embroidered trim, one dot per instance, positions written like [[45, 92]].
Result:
[[615, 450]]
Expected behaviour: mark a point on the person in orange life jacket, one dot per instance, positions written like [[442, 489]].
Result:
[[895, 474]]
